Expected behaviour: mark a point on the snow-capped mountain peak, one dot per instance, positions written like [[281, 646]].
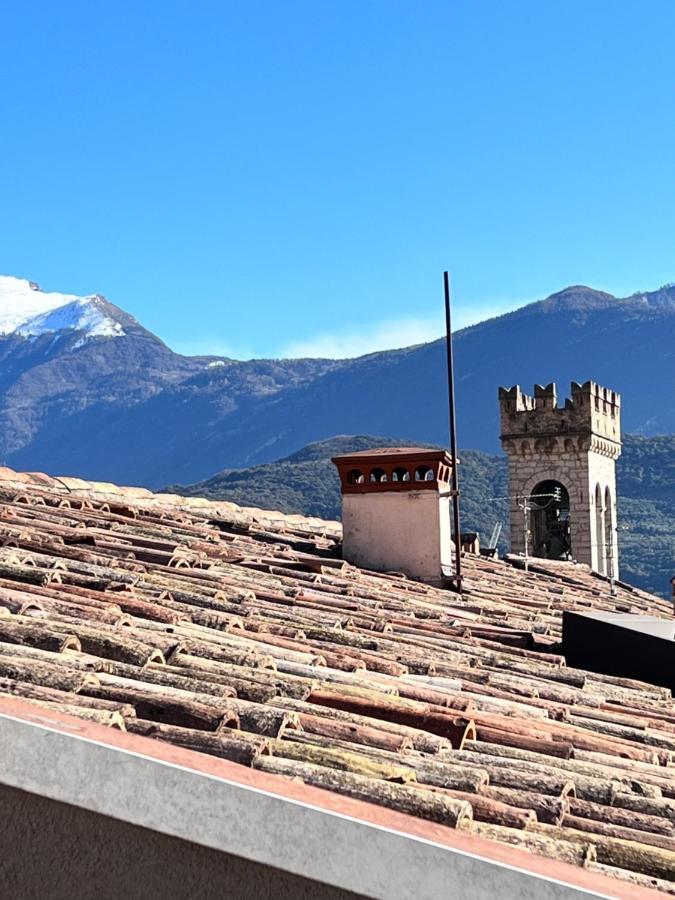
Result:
[[28, 311]]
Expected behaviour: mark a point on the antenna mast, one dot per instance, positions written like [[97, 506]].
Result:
[[453, 435]]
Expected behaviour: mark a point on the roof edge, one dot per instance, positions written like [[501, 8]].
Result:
[[374, 851]]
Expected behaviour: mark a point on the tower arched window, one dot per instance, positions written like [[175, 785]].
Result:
[[610, 533], [600, 537], [549, 505]]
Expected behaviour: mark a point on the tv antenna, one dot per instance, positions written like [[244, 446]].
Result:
[[454, 478]]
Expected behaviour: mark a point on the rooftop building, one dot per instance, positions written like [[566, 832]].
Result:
[[178, 670]]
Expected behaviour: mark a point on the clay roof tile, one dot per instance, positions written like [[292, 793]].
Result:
[[241, 633]]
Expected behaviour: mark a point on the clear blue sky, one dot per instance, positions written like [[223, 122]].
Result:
[[258, 178]]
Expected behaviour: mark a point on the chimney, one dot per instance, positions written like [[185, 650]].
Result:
[[396, 511]]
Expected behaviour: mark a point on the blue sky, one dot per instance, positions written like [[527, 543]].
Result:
[[268, 178]]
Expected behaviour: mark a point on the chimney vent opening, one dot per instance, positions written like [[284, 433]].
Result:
[[400, 474], [424, 473]]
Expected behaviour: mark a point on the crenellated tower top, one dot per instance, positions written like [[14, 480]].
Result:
[[591, 411]]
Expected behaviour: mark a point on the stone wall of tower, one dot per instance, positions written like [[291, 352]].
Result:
[[576, 445], [602, 475]]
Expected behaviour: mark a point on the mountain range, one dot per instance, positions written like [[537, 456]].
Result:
[[86, 390]]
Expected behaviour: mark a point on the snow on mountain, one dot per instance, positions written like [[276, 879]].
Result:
[[30, 312]]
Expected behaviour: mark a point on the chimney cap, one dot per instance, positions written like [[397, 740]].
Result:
[[385, 469], [400, 454]]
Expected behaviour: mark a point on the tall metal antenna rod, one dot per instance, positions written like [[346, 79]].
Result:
[[453, 436]]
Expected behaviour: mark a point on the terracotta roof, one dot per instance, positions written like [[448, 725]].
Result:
[[241, 633]]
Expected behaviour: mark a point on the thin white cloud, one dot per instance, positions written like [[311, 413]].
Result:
[[355, 341], [368, 339], [389, 335]]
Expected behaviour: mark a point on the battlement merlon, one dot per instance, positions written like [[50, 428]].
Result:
[[604, 399], [590, 409]]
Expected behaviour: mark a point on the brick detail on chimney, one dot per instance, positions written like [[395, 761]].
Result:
[[394, 469]]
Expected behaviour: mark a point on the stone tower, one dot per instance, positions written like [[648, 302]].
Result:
[[562, 479]]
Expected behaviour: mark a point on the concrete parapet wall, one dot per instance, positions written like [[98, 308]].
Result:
[[92, 812], [76, 854]]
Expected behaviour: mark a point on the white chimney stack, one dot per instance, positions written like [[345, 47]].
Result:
[[396, 511]]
